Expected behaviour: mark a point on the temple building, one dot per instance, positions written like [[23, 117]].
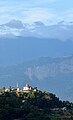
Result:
[[27, 87]]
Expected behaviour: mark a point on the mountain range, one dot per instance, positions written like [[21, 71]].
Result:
[[23, 56], [19, 49], [62, 31], [51, 74]]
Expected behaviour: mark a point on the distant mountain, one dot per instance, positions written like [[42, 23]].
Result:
[[20, 42], [51, 74], [62, 31], [15, 50], [14, 24]]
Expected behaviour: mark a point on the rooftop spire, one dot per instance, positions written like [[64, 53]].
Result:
[[17, 85]]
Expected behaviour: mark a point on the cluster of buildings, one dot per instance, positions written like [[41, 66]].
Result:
[[25, 89]]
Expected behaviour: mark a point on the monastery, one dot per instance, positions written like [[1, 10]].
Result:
[[27, 88]]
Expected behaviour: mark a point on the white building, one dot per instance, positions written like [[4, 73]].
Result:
[[27, 87], [7, 90]]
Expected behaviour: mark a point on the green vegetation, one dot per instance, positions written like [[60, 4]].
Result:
[[34, 106]]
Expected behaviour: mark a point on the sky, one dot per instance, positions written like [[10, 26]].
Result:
[[29, 11]]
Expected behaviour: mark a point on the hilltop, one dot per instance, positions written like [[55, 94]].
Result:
[[34, 105]]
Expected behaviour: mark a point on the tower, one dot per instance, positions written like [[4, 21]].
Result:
[[17, 87]]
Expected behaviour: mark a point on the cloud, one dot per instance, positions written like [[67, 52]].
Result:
[[41, 3], [27, 3], [68, 15], [39, 14], [28, 15], [29, 12]]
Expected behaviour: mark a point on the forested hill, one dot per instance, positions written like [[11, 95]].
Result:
[[34, 106]]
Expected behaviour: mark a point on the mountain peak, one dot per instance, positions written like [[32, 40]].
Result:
[[60, 31], [14, 24]]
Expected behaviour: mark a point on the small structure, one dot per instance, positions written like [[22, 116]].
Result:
[[7, 90], [18, 89], [27, 88]]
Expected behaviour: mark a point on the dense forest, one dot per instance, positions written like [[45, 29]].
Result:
[[34, 105]]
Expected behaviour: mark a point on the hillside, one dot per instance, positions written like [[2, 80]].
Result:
[[51, 74], [34, 105]]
